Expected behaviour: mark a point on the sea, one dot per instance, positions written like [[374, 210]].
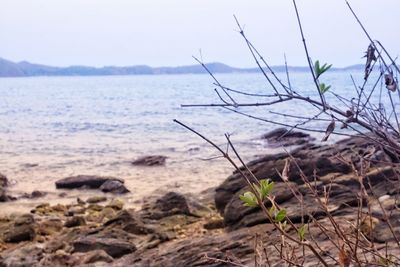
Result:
[[55, 127]]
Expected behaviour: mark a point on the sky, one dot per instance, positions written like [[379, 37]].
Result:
[[169, 32]]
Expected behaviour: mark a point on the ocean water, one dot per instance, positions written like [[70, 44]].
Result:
[[53, 127]]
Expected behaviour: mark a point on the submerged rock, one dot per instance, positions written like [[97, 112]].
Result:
[[155, 160], [92, 182], [284, 137]]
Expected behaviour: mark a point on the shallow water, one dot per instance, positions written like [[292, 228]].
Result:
[[53, 127]]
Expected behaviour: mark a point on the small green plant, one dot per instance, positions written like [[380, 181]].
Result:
[[265, 187], [249, 199], [280, 215], [386, 261], [319, 70], [301, 232], [324, 88]]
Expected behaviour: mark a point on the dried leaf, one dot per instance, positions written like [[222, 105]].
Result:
[[390, 82], [370, 55], [285, 171], [350, 118], [329, 130], [344, 259]]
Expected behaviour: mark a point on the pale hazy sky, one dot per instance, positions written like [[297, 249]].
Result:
[[169, 32]]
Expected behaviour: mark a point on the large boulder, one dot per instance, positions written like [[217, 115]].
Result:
[[325, 166]]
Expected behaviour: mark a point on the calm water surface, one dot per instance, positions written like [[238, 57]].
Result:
[[53, 127]]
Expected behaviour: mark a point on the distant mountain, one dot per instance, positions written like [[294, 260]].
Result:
[[24, 68]]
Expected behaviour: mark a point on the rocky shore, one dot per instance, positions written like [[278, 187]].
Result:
[[214, 227]]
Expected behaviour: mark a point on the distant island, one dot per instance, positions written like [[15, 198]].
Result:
[[27, 69]]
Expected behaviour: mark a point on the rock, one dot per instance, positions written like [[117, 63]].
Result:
[[174, 203], [3, 180], [75, 221], [156, 160], [38, 194], [96, 199], [42, 209], [24, 219], [129, 222], [19, 233], [25, 256], [283, 137], [89, 181], [107, 213], [80, 201], [34, 194], [21, 229], [214, 223], [116, 204], [113, 186], [50, 226], [191, 251], [75, 210], [113, 247], [61, 258], [319, 164], [3, 186], [95, 207], [96, 256]]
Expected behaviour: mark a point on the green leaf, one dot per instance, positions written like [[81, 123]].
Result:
[[266, 186], [249, 199], [281, 215], [302, 231], [324, 88], [319, 70], [316, 68], [272, 210]]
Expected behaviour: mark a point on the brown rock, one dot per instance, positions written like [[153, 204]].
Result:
[[113, 247], [96, 199], [75, 221], [96, 256], [19, 233]]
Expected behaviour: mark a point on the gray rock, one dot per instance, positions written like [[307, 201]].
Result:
[[89, 181]]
